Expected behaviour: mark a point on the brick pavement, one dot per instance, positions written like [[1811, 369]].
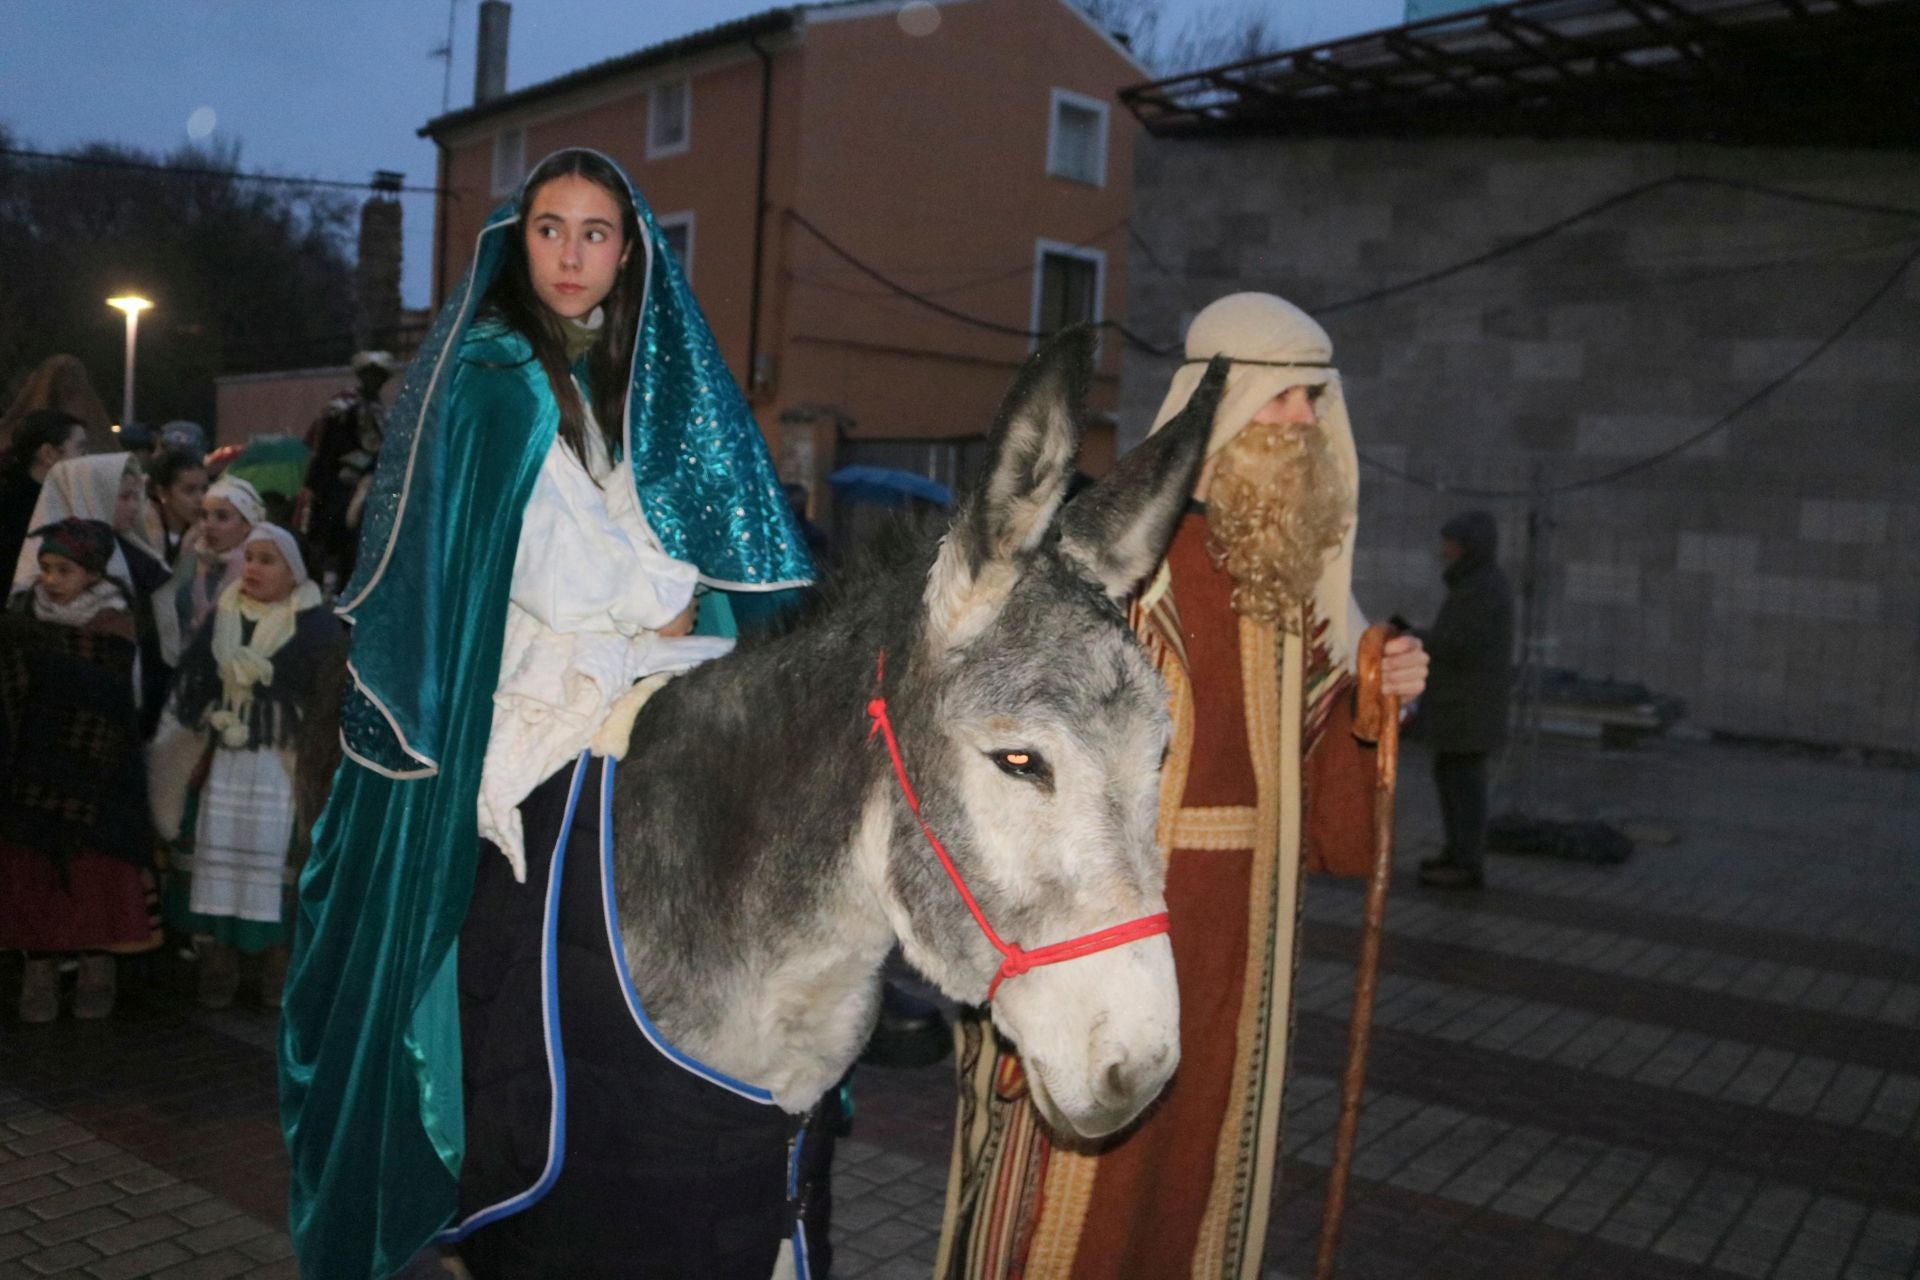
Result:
[[1703, 1063]]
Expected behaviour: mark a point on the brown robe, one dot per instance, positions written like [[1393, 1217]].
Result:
[[1260, 717]]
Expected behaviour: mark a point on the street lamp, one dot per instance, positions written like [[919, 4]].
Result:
[[132, 305]]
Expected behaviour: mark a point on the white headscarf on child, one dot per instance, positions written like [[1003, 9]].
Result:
[[245, 665]]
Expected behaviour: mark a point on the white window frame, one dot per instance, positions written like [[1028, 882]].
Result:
[[1098, 257], [503, 186], [681, 218], [1067, 97], [657, 150]]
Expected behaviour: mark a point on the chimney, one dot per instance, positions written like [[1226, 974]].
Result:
[[490, 63], [376, 311]]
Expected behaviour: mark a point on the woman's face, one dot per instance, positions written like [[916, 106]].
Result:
[[126, 504], [222, 528], [180, 501], [575, 247], [265, 574]]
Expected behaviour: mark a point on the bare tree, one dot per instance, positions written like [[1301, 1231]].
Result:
[[1227, 31]]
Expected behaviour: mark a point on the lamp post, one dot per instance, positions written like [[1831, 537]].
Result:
[[131, 305]]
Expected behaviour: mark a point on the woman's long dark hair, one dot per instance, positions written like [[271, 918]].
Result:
[[511, 299], [42, 426]]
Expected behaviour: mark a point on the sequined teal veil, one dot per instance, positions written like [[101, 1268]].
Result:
[[370, 1041]]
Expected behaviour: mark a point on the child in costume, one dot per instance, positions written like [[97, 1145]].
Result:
[[74, 848], [210, 563], [242, 691], [110, 487]]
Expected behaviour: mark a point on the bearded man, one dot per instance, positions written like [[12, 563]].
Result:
[[1251, 622]]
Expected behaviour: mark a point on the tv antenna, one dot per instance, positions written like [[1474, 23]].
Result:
[[444, 52]]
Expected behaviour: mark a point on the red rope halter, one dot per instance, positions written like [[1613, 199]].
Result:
[[1014, 959]]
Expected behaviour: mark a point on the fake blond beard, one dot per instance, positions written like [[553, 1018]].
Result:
[[1276, 507]]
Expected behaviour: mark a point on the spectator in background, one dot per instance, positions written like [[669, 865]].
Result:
[[1464, 715], [176, 484], [182, 434], [40, 439], [108, 487], [138, 439], [75, 848], [58, 382], [212, 562], [345, 441], [242, 693]]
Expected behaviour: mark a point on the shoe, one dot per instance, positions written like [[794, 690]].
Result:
[[94, 991], [219, 975], [1452, 876], [39, 991], [273, 976]]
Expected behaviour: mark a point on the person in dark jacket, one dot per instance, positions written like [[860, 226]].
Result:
[[43, 437], [1464, 715]]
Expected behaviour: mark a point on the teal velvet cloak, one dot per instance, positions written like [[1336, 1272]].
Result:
[[370, 1064]]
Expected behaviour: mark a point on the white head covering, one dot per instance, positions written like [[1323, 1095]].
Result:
[[88, 488], [290, 549], [243, 497], [1275, 345]]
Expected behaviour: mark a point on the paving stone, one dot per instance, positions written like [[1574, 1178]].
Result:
[[162, 1199], [72, 1200], [132, 1235], [74, 1226], [15, 1169], [203, 1212], [219, 1235], [271, 1246], [212, 1266], [63, 1257]]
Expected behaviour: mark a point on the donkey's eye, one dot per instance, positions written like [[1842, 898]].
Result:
[[1022, 764]]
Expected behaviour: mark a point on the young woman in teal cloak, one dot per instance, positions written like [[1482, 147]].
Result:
[[568, 464]]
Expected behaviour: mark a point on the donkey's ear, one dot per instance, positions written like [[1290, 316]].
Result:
[[1118, 530], [1031, 453]]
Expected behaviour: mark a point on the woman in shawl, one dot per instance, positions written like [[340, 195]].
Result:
[[209, 562], [242, 691], [108, 487], [74, 843], [567, 458]]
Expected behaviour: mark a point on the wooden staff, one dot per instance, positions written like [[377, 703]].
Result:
[[1377, 719]]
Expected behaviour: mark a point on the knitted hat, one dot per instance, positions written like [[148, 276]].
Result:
[[88, 543]]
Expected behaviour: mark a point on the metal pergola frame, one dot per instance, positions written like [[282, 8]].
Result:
[[1825, 72]]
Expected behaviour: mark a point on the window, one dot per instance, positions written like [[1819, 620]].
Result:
[[1067, 284], [669, 123], [509, 161], [677, 229], [1077, 140]]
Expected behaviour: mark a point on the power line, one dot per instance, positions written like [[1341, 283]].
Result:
[[176, 171], [979, 322], [1673, 450]]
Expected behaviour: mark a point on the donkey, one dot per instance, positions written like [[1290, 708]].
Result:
[[956, 750], [768, 856]]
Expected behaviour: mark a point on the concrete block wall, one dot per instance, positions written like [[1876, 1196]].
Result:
[[1770, 574]]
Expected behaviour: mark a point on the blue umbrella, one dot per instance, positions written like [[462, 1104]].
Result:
[[887, 486]]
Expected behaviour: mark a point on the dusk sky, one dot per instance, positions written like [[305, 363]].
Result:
[[337, 89]]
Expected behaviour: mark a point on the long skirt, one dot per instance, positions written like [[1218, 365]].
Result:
[[596, 1148], [234, 885], [94, 903]]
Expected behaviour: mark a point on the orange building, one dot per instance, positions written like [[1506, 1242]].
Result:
[[814, 165]]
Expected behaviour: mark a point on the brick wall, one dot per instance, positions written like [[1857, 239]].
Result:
[[1767, 575]]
